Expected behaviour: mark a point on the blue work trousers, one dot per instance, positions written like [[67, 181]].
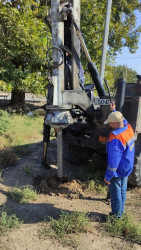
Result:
[[118, 188]]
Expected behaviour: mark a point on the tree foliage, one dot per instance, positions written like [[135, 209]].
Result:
[[23, 37], [122, 31], [22, 44], [122, 71], [113, 73]]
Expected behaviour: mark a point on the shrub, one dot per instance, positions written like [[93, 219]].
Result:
[[7, 158]]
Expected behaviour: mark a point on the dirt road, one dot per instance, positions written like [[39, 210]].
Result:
[[29, 236]]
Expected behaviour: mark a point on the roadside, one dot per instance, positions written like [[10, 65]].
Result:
[[29, 97]]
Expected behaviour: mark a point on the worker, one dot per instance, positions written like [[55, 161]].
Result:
[[120, 159]]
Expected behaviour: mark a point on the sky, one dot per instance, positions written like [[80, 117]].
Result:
[[132, 61]]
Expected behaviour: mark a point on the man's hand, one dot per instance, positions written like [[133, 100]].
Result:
[[112, 106], [107, 182]]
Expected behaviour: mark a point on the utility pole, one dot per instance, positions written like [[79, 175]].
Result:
[[126, 73], [105, 40]]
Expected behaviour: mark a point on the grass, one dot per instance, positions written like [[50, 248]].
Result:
[[135, 198], [124, 226], [67, 227], [136, 203], [4, 121], [23, 130], [67, 224], [52, 132], [23, 196], [28, 171], [18, 132], [22, 150], [8, 222], [39, 112], [76, 222], [93, 180]]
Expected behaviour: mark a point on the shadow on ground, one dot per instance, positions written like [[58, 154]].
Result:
[[22, 175], [38, 212]]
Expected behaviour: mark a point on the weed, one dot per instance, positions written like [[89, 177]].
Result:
[[123, 227], [22, 196], [27, 171], [93, 180], [75, 222], [8, 222]]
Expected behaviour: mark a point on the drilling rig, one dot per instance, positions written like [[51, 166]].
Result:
[[72, 109]]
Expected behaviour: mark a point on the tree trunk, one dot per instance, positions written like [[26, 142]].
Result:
[[17, 97]]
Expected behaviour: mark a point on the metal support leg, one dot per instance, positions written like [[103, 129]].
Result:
[[46, 138], [45, 146], [59, 154], [44, 164]]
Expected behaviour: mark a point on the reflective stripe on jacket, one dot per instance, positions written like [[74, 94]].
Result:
[[120, 149]]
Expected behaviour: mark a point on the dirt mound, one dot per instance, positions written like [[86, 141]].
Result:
[[55, 187]]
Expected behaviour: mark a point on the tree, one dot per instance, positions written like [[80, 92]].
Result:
[[113, 73], [23, 38], [22, 47], [125, 72], [128, 74], [123, 31]]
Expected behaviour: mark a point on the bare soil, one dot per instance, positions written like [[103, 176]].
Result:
[[57, 196]]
